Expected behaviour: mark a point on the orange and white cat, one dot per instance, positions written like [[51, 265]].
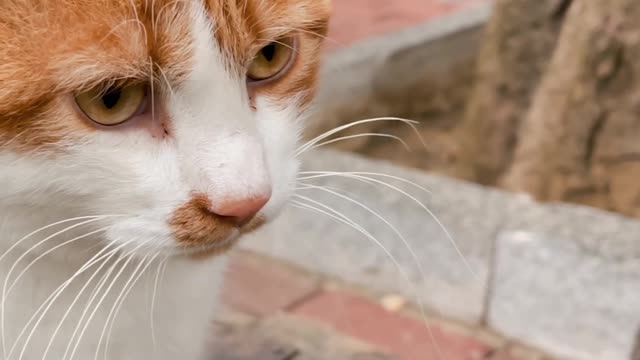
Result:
[[139, 139]]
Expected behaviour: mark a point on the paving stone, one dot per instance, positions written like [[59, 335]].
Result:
[[436, 276], [408, 338], [259, 286], [566, 280], [289, 338]]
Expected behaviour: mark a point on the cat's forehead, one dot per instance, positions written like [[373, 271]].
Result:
[[54, 47], [119, 27]]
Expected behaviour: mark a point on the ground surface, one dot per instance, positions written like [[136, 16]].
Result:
[[277, 312]]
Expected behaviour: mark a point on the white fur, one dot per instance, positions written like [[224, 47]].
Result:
[[219, 147]]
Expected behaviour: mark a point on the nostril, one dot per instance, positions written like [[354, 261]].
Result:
[[241, 208]]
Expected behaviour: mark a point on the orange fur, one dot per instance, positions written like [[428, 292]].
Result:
[[50, 49], [245, 26], [194, 225]]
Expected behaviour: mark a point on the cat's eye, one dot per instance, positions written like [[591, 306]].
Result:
[[112, 106], [272, 60]]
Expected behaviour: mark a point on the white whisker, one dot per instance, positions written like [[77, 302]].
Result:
[[118, 303], [110, 255], [50, 251], [323, 174], [343, 138], [90, 303], [115, 305], [162, 266], [106, 292], [336, 215], [46, 305], [94, 293], [416, 260], [424, 207], [325, 135], [16, 244]]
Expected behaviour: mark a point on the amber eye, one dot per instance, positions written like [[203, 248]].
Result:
[[271, 60], [112, 106]]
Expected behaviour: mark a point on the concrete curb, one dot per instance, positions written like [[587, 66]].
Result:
[[561, 278], [352, 77]]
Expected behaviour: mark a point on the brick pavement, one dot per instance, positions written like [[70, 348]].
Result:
[[262, 287]]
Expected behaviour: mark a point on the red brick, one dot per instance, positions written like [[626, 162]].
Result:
[[259, 286], [356, 20], [408, 338]]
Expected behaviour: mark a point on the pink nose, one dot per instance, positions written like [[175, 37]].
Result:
[[241, 208]]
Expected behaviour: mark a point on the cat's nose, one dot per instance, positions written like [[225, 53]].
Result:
[[241, 208]]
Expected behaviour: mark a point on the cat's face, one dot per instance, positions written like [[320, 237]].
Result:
[[180, 116]]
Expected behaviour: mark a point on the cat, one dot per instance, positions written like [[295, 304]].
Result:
[[139, 140]]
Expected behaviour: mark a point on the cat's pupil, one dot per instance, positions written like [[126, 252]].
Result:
[[111, 98], [269, 52]]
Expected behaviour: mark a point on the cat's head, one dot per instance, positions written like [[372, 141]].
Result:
[[180, 116]]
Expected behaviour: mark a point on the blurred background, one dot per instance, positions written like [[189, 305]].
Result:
[[529, 98], [509, 231]]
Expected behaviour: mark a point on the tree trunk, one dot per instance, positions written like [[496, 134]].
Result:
[[519, 41], [580, 140]]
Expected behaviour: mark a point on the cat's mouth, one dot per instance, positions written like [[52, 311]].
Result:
[[202, 233], [216, 246]]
